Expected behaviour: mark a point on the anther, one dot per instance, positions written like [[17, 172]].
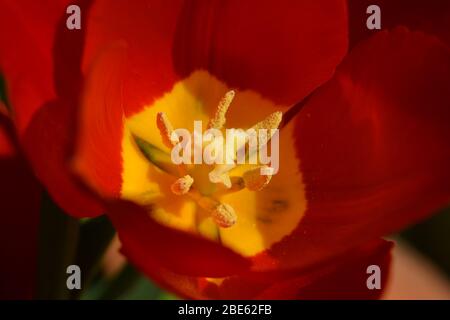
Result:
[[271, 122], [221, 213], [224, 215], [182, 185], [254, 181], [219, 117], [165, 129]]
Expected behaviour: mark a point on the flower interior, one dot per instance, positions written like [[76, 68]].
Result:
[[229, 202]]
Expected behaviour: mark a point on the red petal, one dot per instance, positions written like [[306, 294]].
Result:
[[26, 58], [342, 280], [7, 148], [48, 140], [148, 29], [283, 51], [431, 16], [27, 29], [344, 277], [147, 243], [19, 208], [98, 155], [373, 146], [48, 143]]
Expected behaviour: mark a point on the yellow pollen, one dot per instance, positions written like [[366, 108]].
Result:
[[271, 122], [165, 129], [254, 181], [182, 185], [219, 117], [222, 214]]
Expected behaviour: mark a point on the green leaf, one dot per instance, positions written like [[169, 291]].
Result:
[[129, 284], [167, 296], [94, 238], [122, 283], [142, 290], [58, 235]]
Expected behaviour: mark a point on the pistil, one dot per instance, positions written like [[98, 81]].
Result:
[[221, 213], [220, 173]]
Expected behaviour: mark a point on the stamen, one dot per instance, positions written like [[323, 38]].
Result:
[[220, 175], [271, 122], [219, 117], [222, 214], [182, 185], [254, 181], [165, 128]]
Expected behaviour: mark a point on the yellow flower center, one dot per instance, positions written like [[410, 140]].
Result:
[[230, 203], [221, 213]]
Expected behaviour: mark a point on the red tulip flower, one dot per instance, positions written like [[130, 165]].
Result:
[[364, 140]]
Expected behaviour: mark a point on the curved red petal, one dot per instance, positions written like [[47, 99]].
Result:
[[345, 279], [48, 140], [147, 28], [147, 243], [48, 145], [431, 16], [98, 151], [282, 50], [27, 29], [373, 146]]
